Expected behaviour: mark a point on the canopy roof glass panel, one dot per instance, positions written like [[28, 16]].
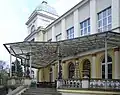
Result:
[[44, 53]]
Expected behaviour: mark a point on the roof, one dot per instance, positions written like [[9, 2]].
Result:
[[47, 8], [45, 53]]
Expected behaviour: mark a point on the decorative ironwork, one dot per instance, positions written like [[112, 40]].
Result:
[[46, 52], [60, 69]]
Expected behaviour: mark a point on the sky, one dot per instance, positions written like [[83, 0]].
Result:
[[14, 14]]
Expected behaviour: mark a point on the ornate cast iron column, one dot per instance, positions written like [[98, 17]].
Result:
[[77, 68], [59, 64], [59, 67]]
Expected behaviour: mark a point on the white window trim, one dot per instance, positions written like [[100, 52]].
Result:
[[104, 18], [104, 64], [88, 33]]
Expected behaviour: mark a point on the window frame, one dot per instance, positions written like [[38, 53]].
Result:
[[71, 35], [83, 27], [103, 64], [103, 25]]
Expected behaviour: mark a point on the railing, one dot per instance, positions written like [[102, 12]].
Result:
[[46, 84], [18, 81], [3, 81], [107, 84], [96, 84], [70, 83]]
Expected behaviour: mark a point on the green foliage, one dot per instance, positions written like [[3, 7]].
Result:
[[3, 77], [17, 69]]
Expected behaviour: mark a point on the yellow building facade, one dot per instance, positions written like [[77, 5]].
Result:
[[94, 69]]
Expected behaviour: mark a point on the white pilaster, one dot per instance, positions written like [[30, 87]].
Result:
[[63, 29], [76, 24], [93, 69], [117, 69], [93, 17], [53, 73], [53, 34], [116, 15]]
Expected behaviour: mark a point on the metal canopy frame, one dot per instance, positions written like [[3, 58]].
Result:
[[44, 53]]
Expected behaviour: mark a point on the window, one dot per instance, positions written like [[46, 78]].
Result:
[[109, 63], [71, 70], [85, 27], [58, 37], [70, 33], [105, 20], [33, 28]]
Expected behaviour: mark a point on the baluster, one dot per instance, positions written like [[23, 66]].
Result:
[[91, 83], [78, 83], [75, 85]]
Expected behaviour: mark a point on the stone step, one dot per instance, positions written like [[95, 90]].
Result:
[[41, 91]]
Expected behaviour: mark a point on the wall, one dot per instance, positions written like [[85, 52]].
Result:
[[69, 21], [99, 57], [84, 12], [39, 36], [58, 28], [103, 4]]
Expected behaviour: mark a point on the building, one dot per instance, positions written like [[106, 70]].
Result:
[[86, 18], [88, 35]]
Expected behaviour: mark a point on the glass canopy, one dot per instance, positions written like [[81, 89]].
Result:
[[45, 53]]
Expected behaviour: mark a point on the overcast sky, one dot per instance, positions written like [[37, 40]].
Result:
[[14, 14]]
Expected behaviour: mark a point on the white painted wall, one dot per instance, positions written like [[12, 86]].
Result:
[[58, 28], [84, 12], [49, 34], [116, 15], [103, 4], [69, 21], [63, 29], [93, 17], [76, 24]]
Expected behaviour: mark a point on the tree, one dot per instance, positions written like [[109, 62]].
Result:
[[3, 72], [17, 68]]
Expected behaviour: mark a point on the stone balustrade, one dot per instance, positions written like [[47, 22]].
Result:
[[101, 84], [16, 81], [105, 84], [70, 83]]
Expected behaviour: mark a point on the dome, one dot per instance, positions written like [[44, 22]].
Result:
[[47, 8]]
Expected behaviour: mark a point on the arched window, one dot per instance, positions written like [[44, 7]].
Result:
[[33, 28], [71, 69], [109, 63]]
